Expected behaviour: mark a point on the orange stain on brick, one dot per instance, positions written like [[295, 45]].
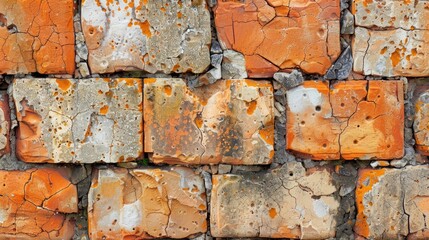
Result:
[[251, 107], [395, 57], [145, 27], [104, 110], [272, 212], [64, 84]]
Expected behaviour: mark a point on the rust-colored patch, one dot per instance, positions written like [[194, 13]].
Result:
[[104, 110], [395, 57], [252, 106], [272, 212], [145, 27], [168, 90], [64, 84]]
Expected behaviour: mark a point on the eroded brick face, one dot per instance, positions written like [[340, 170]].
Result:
[[276, 34], [421, 123], [392, 203], [146, 203], [288, 202], [33, 204], [150, 35], [79, 121], [391, 38], [230, 121], [36, 36], [4, 124], [346, 120]]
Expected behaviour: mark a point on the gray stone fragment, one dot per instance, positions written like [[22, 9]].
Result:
[[207, 180], [216, 60], [83, 69], [207, 78], [215, 48], [233, 65], [347, 22], [344, 4], [224, 168], [289, 80], [342, 67]]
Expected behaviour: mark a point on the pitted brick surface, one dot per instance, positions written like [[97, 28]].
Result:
[[150, 35], [79, 121], [230, 121]]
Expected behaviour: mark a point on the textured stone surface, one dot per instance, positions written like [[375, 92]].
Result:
[[79, 121], [421, 123], [342, 67], [288, 202], [391, 38], [348, 120], [33, 204], [4, 124], [284, 34], [146, 203], [230, 121], [393, 203], [150, 35], [36, 36]]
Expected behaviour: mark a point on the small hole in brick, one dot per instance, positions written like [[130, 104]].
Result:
[[291, 174], [368, 118], [388, 145], [324, 145], [342, 104], [302, 122], [355, 141], [318, 108], [358, 126]]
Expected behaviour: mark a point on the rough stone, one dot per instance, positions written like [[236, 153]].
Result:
[[79, 121], [347, 22], [289, 80], [392, 203], [146, 203], [342, 67], [36, 36], [391, 37], [233, 65], [154, 36], [34, 203], [287, 202], [276, 34], [230, 121], [346, 120], [5, 124]]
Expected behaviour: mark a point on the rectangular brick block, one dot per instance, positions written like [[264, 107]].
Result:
[[393, 203], [391, 38], [146, 203], [421, 120], [36, 36], [287, 202], [285, 34], [346, 120], [230, 121], [34, 203], [79, 121], [150, 35]]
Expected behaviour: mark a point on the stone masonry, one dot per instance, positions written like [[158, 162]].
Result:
[[214, 119]]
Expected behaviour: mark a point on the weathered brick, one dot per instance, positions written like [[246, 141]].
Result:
[[391, 39], [284, 34], [146, 203], [33, 204], [230, 121], [154, 36], [36, 36], [348, 120], [393, 203], [287, 202], [421, 122], [79, 121], [4, 124]]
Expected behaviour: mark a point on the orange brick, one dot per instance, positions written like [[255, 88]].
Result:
[[392, 203], [33, 204], [4, 124], [230, 121], [37, 36], [146, 203], [282, 37], [346, 120]]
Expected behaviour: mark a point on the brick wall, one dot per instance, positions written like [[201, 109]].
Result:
[[141, 119]]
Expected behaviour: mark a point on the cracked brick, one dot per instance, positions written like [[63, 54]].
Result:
[[34, 204], [154, 36], [146, 203], [36, 36], [230, 121], [421, 120], [393, 203], [285, 34], [390, 38], [79, 121], [287, 202], [346, 120]]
